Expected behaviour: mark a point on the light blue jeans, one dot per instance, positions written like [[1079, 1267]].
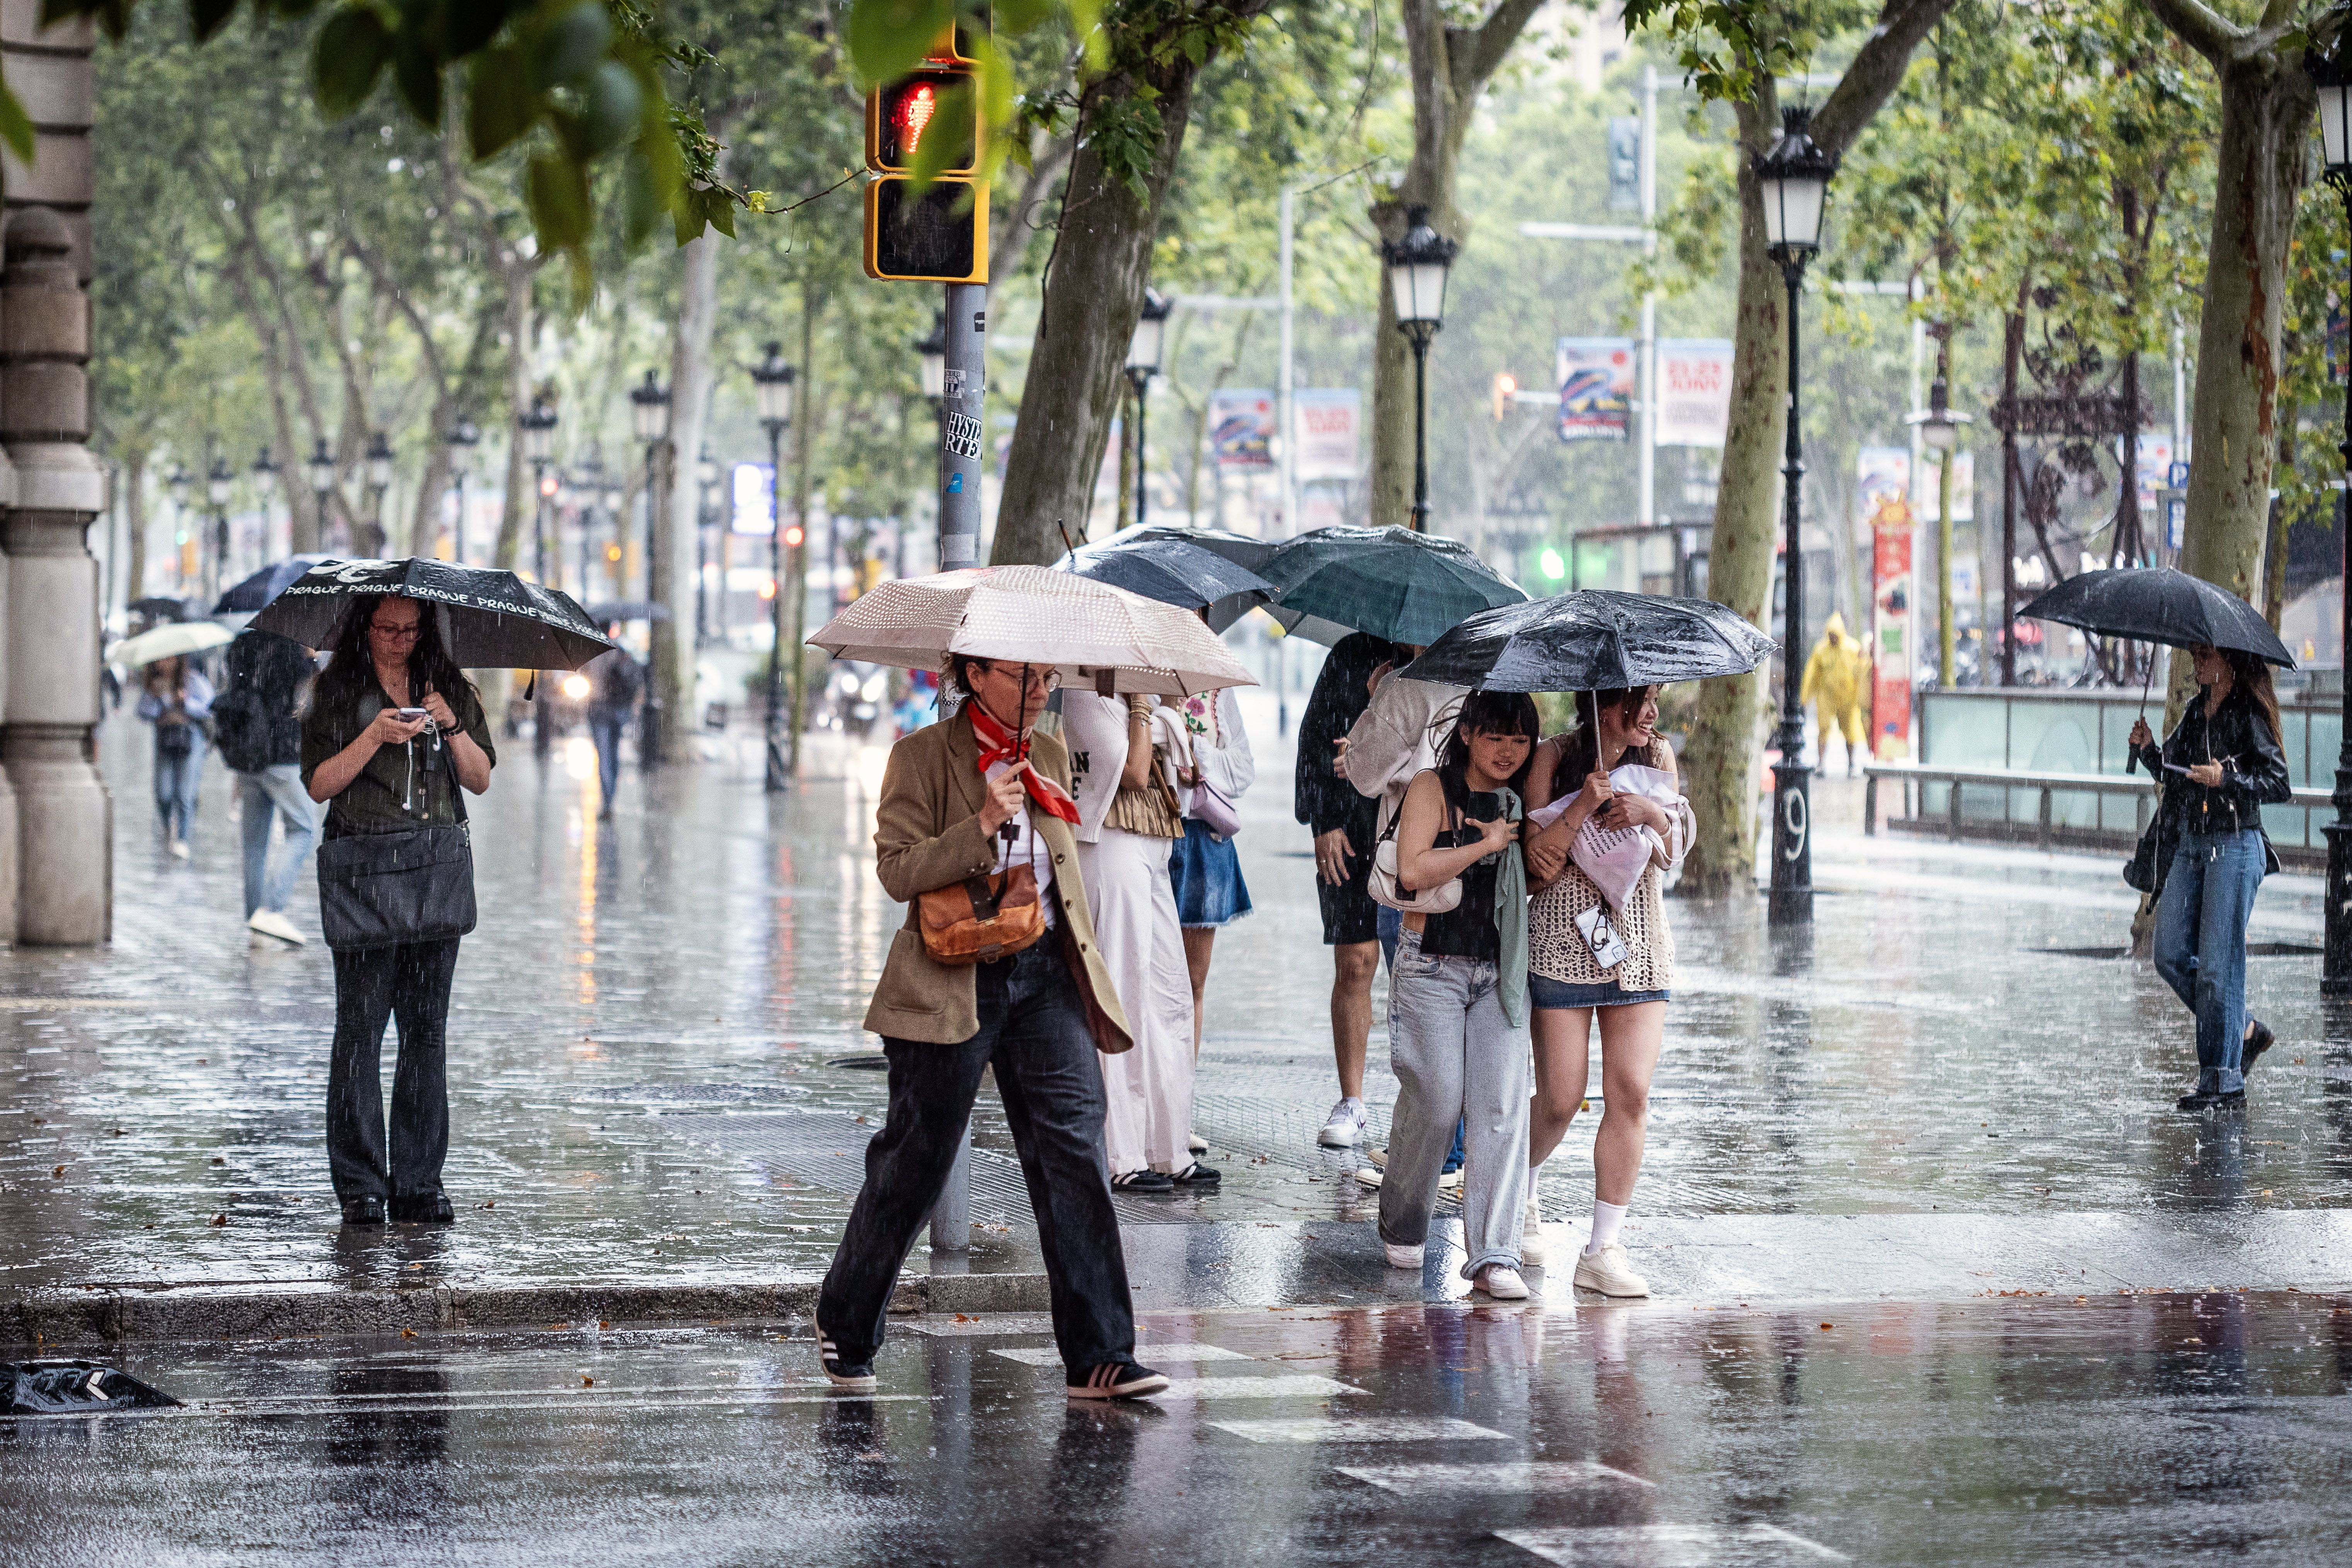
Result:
[[176, 779], [2201, 944], [274, 792], [1459, 1064]]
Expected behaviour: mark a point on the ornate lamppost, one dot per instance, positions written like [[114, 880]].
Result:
[[1143, 364], [462, 439], [1418, 266], [2331, 73], [771, 382]]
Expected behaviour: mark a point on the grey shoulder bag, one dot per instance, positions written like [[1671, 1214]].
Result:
[[410, 884]]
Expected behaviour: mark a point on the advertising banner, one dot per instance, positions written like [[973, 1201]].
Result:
[[1884, 475], [1927, 489], [1241, 428], [1330, 444], [1596, 388], [1693, 391], [752, 500]]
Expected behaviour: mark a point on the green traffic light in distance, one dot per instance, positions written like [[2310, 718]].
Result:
[[1553, 566]]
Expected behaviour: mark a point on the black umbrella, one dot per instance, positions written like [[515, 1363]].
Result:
[[611, 610], [491, 619], [1174, 570], [1238, 548], [265, 585], [171, 609], [1395, 584], [2158, 604], [1594, 641]]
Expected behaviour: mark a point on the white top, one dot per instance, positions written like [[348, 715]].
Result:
[[1398, 737], [1027, 846], [1095, 730], [1219, 743]]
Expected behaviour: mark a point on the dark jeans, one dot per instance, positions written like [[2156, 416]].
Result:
[[1032, 1031], [2201, 944], [411, 982], [605, 729]]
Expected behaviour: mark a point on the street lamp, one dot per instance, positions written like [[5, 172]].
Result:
[[705, 474], [933, 351], [2331, 74], [1939, 432], [219, 485], [461, 439], [536, 430], [1793, 178], [772, 384], [649, 418], [1418, 266], [587, 483], [1143, 364], [379, 478], [264, 476], [322, 483]]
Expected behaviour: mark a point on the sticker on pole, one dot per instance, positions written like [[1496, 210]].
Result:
[[963, 436]]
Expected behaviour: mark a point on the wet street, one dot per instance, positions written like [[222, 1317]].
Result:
[[1940, 1274]]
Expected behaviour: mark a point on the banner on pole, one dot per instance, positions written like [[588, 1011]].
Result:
[[1327, 443], [1927, 489], [1624, 164], [1241, 428], [1884, 474], [1596, 388], [1693, 391], [752, 494]]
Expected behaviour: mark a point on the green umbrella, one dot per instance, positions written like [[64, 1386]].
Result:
[[1395, 584]]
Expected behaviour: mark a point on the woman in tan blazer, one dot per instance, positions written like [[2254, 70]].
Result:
[[973, 793]]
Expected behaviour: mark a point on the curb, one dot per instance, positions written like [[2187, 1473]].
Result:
[[115, 1314]]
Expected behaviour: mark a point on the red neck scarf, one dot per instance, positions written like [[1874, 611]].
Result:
[[996, 745]]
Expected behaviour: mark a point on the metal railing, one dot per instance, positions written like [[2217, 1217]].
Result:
[[2058, 796]]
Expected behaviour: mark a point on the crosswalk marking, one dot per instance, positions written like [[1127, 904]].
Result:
[[1510, 1476], [1244, 1387], [1360, 1429], [1046, 1355], [981, 1325], [1756, 1545]]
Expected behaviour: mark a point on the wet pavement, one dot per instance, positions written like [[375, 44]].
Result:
[[2142, 1430]]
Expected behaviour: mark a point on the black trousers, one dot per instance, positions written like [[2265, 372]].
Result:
[[410, 982], [1032, 1031]]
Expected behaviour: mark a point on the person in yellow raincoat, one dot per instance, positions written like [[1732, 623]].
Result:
[[1837, 676]]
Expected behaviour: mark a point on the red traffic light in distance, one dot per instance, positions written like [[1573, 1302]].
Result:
[[926, 106]]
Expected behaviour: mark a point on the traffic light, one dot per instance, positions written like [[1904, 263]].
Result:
[[1506, 386], [927, 123]]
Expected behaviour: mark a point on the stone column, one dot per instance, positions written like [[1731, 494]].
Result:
[[48, 745]]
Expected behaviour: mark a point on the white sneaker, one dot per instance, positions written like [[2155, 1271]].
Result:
[[273, 923], [1402, 1257], [179, 849], [1532, 1246], [1344, 1129], [1502, 1282], [1197, 1144], [1608, 1272], [1449, 1181]]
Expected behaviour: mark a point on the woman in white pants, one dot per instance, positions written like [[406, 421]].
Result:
[[1127, 820]]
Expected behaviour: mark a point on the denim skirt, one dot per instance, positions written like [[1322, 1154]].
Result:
[[1549, 994], [1207, 874]]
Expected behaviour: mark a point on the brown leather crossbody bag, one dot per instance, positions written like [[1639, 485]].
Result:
[[982, 919]]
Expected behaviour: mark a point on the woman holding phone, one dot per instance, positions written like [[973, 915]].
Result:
[[395, 729], [2220, 767]]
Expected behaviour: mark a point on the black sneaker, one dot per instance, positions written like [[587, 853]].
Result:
[[363, 1211], [2261, 1040], [2202, 1101], [1118, 1380], [1143, 1181], [1196, 1174], [429, 1208], [849, 1376]]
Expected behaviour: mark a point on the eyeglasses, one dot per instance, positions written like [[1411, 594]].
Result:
[[408, 633], [1047, 676]]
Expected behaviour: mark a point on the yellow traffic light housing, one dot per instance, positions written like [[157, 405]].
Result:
[[926, 123]]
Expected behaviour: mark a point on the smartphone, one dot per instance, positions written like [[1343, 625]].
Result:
[[409, 715]]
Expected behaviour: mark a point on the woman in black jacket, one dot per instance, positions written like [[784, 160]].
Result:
[[2220, 767]]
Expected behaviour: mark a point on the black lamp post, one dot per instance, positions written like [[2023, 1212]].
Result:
[[1793, 178], [2331, 73], [322, 483], [587, 481], [536, 427], [1143, 364], [219, 484], [1418, 266], [379, 478], [706, 512], [772, 381], [933, 351], [265, 475], [462, 439], [649, 418]]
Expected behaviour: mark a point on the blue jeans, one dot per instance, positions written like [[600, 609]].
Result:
[[274, 792], [1391, 925], [605, 728], [2201, 944], [176, 785]]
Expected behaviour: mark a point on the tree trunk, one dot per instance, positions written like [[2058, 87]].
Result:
[[516, 278], [135, 514], [1093, 295], [678, 522], [1450, 67], [1719, 759]]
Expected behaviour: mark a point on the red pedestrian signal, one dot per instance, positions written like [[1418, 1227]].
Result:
[[936, 103]]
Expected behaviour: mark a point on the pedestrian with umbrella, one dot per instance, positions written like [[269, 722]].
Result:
[[259, 728], [176, 698], [998, 967], [1605, 822], [396, 737], [2205, 855]]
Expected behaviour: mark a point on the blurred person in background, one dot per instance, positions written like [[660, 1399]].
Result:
[[176, 698], [616, 683], [257, 729]]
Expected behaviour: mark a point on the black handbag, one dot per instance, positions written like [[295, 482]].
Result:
[[410, 884]]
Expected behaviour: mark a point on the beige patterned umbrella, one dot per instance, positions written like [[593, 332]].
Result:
[[1095, 635]]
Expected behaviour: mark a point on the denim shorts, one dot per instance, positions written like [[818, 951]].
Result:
[[1548, 995]]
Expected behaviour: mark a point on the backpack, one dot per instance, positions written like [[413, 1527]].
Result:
[[241, 728]]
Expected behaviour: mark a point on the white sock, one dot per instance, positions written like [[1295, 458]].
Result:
[[1606, 1218]]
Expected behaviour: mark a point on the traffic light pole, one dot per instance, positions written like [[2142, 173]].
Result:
[[959, 426]]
